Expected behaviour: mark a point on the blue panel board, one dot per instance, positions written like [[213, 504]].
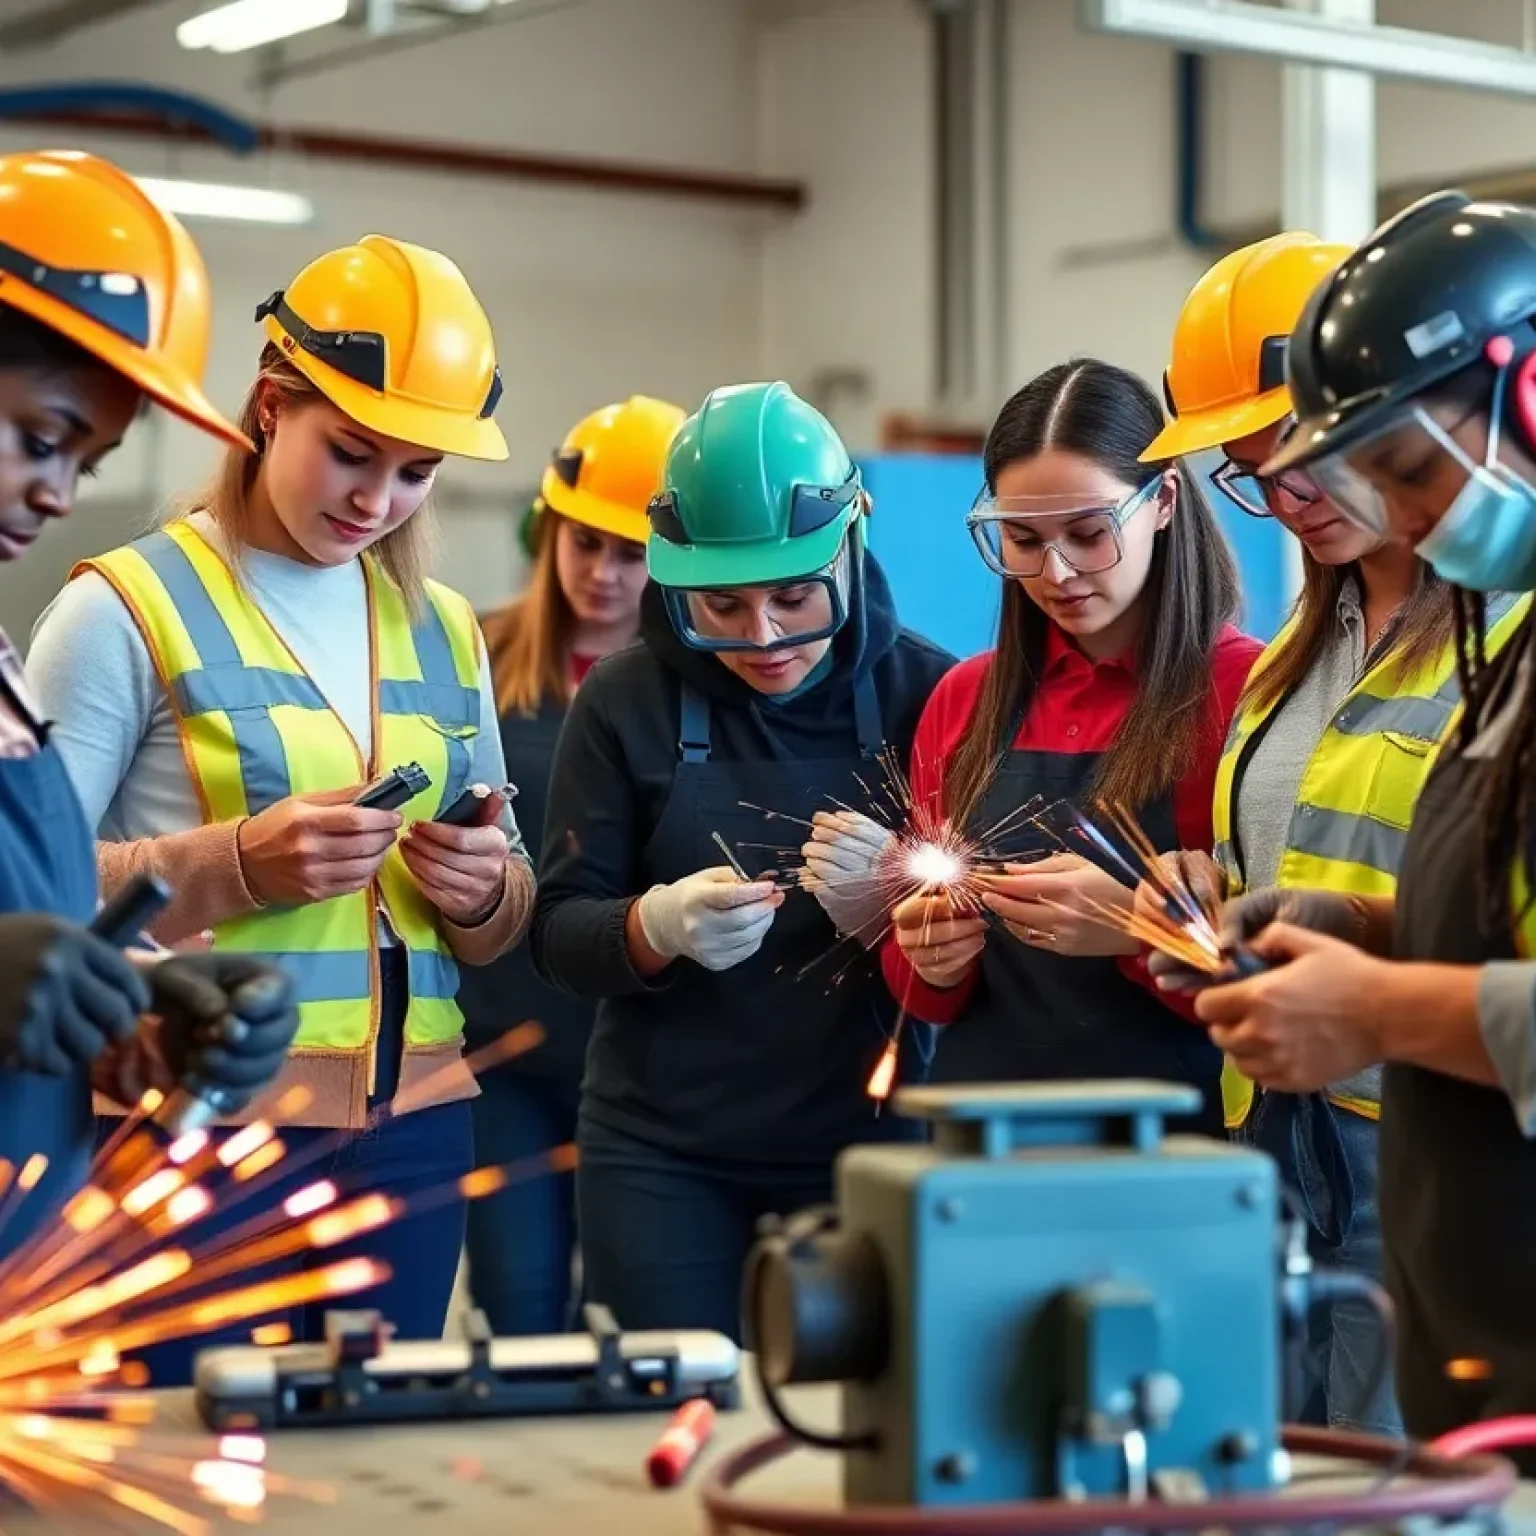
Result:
[[917, 531], [1264, 554], [944, 591]]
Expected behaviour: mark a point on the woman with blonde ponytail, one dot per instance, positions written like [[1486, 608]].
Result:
[[226, 687]]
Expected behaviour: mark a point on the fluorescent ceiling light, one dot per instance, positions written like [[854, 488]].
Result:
[[1299, 37], [250, 23], [240, 205]]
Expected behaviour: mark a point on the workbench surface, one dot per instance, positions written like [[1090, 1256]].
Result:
[[576, 1476]]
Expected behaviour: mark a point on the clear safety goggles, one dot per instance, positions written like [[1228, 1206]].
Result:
[[1015, 534], [766, 618], [1413, 456]]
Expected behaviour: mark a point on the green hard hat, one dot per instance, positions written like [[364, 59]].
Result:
[[758, 489]]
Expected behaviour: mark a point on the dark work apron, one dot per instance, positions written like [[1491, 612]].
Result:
[[1037, 1016], [47, 864], [508, 991], [775, 1053], [1458, 1179]]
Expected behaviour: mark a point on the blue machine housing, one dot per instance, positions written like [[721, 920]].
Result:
[[1078, 1304]]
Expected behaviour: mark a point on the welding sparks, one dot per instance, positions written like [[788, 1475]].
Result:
[[928, 854], [125, 1264]]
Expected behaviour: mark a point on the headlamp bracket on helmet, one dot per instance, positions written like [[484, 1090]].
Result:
[[116, 300], [811, 508], [361, 356]]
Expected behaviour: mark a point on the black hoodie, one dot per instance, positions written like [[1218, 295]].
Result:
[[752, 1063]]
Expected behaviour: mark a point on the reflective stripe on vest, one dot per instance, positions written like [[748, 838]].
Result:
[[1357, 793], [255, 729]]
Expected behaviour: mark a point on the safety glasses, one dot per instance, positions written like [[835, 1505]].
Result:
[[116, 300], [1015, 534], [361, 356], [1259, 495]]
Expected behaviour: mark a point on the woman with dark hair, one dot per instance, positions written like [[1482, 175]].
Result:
[[1115, 674], [582, 603], [1412, 371], [1331, 744]]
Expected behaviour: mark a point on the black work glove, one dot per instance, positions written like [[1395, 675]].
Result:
[[227, 1022], [1245, 917], [65, 995]]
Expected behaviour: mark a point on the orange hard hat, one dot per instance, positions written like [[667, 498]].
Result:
[[609, 467], [1227, 377], [84, 251], [393, 335]]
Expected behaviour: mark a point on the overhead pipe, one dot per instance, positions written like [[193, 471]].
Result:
[[169, 116], [1189, 97], [1516, 185]]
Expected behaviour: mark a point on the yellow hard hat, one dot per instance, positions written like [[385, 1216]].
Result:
[[84, 251], [392, 334], [609, 467], [1227, 377]]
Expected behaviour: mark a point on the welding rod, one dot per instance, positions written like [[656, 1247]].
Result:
[[731, 859]]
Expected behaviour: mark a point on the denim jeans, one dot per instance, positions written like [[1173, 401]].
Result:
[[521, 1241], [420, 1154], [664, 1238], [1344, 1233]]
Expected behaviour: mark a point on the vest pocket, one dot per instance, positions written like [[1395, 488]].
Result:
[[1402, 765]]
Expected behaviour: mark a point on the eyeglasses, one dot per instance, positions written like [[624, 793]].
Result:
[[1087, 538], [116, 300], [1265, 495], [359, 355]]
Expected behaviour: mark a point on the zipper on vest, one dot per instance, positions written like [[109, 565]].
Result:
[[375, 1001]]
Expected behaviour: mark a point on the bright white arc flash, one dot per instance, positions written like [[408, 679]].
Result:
[[933, 865]]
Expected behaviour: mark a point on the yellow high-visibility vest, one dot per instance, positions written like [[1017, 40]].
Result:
[[255, 729], [1357, 794]]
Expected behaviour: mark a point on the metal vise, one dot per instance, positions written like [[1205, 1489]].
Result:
[[1052, 1299]]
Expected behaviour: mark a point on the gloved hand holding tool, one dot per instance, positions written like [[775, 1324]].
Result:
[[66, 995], [842, 862], [712, 917], [227, 1021]]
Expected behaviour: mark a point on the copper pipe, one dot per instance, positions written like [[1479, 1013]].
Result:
[[459, 159]]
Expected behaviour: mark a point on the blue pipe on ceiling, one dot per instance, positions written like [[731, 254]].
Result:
[[171, 107]]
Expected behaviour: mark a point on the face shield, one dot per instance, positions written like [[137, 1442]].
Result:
[[1436, 464], [772, 616], [1015, 534]]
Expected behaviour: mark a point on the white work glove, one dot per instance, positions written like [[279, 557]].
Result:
[[842, 871], [710, 917]]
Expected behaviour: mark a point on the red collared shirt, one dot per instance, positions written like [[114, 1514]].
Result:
[[1078, 707]]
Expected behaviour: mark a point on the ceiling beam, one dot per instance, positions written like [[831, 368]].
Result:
[[1297, 37], [48, 24]]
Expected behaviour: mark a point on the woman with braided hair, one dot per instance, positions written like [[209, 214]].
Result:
[[1413, 371]]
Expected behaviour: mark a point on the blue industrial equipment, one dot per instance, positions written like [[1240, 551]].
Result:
[[1052, 1299], [943, 590]]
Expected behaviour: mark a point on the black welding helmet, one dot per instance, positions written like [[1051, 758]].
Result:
[[1445, 285]]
